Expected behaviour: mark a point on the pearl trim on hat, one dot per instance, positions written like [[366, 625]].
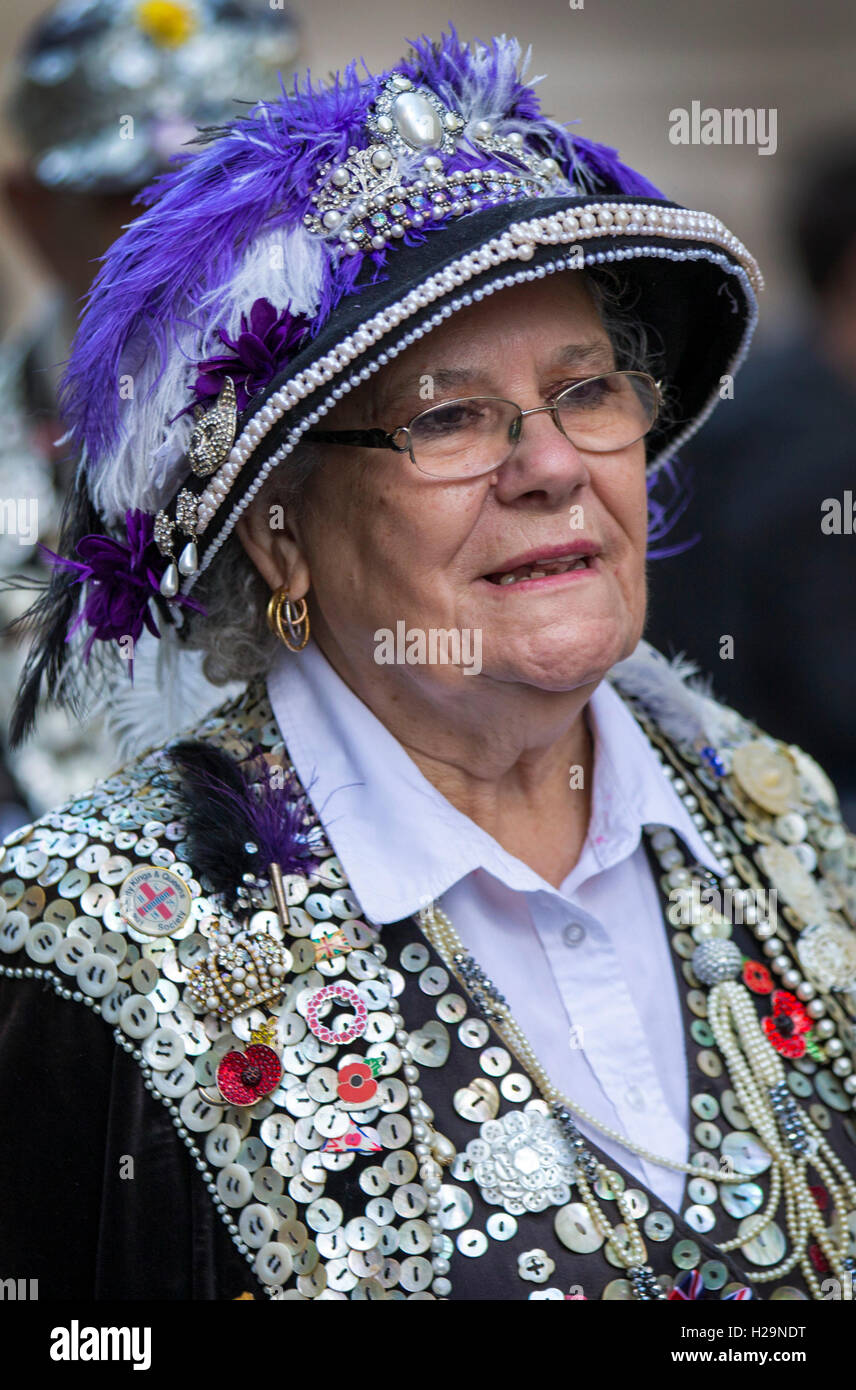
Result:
[[518, 242]]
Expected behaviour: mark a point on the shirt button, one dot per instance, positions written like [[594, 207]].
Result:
[[634, 1098], [573, 933]]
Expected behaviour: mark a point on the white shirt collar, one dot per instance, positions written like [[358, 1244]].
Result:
[[401, 843]]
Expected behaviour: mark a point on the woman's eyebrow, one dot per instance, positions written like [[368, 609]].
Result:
[[464, 380], [596, 353], [593, 354], [423, 387]]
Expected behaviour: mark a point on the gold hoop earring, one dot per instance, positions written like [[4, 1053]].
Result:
[[292, 626]]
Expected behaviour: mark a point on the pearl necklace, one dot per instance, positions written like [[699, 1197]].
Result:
[[729, 1002]]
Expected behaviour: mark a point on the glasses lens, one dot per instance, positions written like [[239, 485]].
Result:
[[609, 412], [463, 438], [466, 437]]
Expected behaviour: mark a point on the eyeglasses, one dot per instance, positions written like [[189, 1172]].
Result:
[[467, 437]]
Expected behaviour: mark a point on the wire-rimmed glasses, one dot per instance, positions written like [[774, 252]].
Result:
[[472, 435]]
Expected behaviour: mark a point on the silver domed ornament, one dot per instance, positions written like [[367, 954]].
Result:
[[407, 119], [716, 961]]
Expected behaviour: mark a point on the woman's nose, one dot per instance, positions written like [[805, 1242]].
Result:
[[542, 458]]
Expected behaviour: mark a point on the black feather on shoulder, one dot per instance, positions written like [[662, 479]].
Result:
[[213, 789], [237, 826], [46, 622]]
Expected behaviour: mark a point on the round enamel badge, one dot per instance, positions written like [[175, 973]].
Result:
[[155, 901]]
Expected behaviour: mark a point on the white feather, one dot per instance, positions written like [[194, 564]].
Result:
[[484, 98], [280, 266], [146, 468], [169, 695], [677, 697]]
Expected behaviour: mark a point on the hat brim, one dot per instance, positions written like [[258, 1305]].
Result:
[[693, 284]]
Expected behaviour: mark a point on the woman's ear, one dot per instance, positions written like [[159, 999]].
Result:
[[268, 533]]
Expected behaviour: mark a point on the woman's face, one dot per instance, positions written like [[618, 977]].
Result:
[[381, 543]]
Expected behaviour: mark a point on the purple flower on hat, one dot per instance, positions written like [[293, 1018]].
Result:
[[121, 577], [267, 341]]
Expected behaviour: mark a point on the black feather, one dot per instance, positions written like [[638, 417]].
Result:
[[217, 830], [46, 622], [226, 809]]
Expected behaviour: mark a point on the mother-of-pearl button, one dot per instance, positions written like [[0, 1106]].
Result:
[[176, 1082], [70, 954], [42, 942], [163, 1049], [16, 925], [137, 1016], [96, 975], [273, 1263], [198, 1115], [234, 1185], [222, 1145], [256, 1225], [576, 1230]]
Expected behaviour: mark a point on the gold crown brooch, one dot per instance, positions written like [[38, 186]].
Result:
[[247, 973]]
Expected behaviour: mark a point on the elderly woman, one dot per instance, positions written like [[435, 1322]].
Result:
[[468, 952]]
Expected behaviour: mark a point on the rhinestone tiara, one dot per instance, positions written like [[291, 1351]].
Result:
[[378, 193]]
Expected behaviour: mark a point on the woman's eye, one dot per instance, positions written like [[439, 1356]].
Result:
[[445, 419], [587, 393]]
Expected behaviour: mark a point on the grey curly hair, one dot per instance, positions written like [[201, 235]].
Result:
[[233, 636]]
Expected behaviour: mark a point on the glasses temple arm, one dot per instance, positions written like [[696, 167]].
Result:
[[368, 439]]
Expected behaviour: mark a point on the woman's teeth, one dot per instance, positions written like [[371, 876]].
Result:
[[542, 571]]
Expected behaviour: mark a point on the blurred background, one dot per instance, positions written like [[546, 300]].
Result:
[[780, 445]]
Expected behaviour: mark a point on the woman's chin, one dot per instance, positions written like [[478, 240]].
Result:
[[552, 669], [561, 658]]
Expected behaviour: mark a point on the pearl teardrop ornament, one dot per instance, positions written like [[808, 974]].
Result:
[[169, 582], [188, 560]]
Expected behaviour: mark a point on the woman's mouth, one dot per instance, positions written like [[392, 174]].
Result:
[[542, 569]]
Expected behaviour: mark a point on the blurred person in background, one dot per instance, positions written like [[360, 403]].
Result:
[[103, 93], [774, 477]]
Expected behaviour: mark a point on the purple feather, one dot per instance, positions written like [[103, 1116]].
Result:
[[606, 170], [121, 579], [448, 63]]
